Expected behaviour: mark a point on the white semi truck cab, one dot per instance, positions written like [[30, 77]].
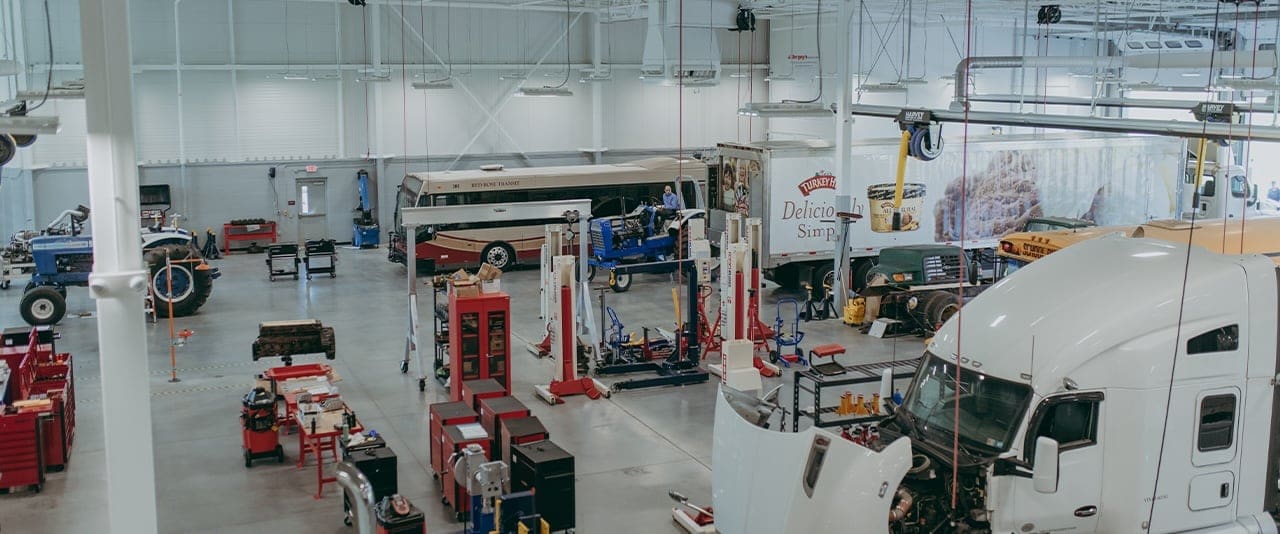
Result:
[[1093, 394]]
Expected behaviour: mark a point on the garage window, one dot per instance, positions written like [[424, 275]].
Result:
[[1217, 422]]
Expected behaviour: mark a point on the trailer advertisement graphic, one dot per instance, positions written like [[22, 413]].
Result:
[[821, 180]]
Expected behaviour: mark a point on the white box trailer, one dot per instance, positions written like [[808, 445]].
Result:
[[791, 186]]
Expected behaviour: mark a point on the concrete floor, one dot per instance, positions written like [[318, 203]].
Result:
[[630, 449]]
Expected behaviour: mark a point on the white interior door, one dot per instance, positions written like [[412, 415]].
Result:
[[312, 209]]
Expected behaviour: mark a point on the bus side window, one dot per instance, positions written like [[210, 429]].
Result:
[[688, 193]]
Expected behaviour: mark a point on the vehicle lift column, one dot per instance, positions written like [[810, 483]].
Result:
[[740, 290], [562, 338], [553, 245]]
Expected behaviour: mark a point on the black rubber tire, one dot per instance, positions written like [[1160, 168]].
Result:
[[621, 283], [187, 300], [940, 306], [773, 356], [823, 275], [43, 305], [4, 284], [591, 272], [24, 141], [422, 385], [279, 454], [499, 255], [858, 277], [8, 149], [248, 460]]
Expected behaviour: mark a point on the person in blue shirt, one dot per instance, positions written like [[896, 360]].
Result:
[[669, 199]]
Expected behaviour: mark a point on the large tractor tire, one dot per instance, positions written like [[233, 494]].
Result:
[[940, 306], [190, 286], [43, 305]]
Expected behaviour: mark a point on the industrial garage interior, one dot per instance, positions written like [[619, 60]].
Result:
[[615, 266]]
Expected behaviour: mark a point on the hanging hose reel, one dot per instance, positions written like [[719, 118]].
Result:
[[925, 143]]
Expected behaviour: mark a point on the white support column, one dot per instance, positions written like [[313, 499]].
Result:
[[118, 280], [844, 151]]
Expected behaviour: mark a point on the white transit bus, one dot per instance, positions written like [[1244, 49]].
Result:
[[615, 189]]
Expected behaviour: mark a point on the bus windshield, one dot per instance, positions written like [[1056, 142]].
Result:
[[990, 408]]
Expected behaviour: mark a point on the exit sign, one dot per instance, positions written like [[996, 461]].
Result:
[[312, 168]]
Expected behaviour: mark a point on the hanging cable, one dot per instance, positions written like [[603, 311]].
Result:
[[448, 42], [364, 41], [404, 90], [817, 21], [567, 41], [1182, 300], [959, 316], [48, 76]]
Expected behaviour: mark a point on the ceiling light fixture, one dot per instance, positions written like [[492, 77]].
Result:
[[888, 87], [443, 83], [786, 110], [543, 91]]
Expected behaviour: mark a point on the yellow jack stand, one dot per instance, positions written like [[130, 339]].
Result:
[[860, 406], [846, 404]]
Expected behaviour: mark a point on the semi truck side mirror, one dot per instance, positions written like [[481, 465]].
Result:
[[1044, 475]]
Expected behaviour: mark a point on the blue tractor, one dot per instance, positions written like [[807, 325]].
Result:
[[63, 258], [647, 237]]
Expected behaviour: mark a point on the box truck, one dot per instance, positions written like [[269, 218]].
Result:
[[1119, 385], [969, 196]]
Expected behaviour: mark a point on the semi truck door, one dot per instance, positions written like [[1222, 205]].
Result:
[[1072, 420]]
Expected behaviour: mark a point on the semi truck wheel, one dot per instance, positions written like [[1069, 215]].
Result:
[[940, 306], [859, 277], [43, 306], [190, 286]]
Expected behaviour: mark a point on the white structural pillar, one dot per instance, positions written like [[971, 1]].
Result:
[[844, 148], [118, 279]]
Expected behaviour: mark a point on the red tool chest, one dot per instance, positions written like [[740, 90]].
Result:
[[456, 438], [53, 380], [520, 431], [496, 409], [444, 414], [479, 339], [21, 460], [484, 388]]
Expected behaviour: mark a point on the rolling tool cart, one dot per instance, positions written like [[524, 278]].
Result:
[[282, 260], [260, 434], [378, 463], [520, 431], [441, 415], [494, 410], [473, 391], [21, 460], [320, 257], [547, 470]]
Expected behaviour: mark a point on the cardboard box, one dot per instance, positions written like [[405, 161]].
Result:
[[488, 272], [466, 289], [491, 286]]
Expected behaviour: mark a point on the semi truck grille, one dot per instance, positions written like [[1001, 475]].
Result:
[[942, 269]]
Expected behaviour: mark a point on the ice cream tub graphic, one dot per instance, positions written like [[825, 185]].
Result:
[[880, 201]]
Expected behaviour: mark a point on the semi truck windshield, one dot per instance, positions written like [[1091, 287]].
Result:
[[990, 408]]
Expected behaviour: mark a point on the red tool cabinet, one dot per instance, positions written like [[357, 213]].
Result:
[[21, 460], [441, 415], [484, 388], [455, 440], [519, 431], [53, 379], [495, 410], [479, 340]]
